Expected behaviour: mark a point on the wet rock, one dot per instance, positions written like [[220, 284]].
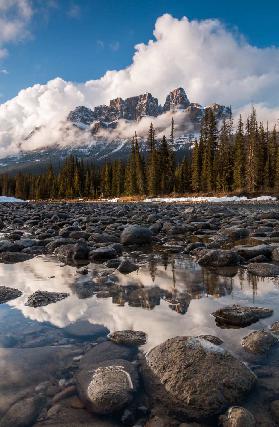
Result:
[[84, 289], [248, 252], [126, 266], [107, 351], [212, 339], [274, 328], [128, 337], [14, 257], [194, 378], [235, 233], [85, 329], [42, 298], [275, 254], [113, 263], [259, 341], [274, 407], [23, 413], [191, 246], [72, 253], [102, 254], [66, 392], [219, 258], [136, 235], [237, 417], [108, 386], [263, 269], [237, 315], [7, 294], [161, 421]]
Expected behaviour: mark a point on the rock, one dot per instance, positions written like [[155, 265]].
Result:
[[105, 351], [7, 294], [72, 253], [42, 298], [66, 392], [126, 266], [219, 258], [191, 246], [14, 257], [194, 378], [84, 329], [274, 328], [113, 263], [236, 233], [237, 315], [274, 407], [107, 387], [161, 421], [237, 417], [23, 413], [275, 254], [249, 252], [84, 289], [102, 254], [263, 269], [258, 341], [128, 337], [136, 235], [212, 339]]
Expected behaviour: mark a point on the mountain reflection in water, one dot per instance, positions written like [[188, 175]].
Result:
[[167, 296]]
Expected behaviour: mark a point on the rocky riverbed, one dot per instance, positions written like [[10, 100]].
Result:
[[150, 315]]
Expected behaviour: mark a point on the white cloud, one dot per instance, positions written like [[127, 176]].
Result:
[[74, 11], [212, 63], [4, 71]]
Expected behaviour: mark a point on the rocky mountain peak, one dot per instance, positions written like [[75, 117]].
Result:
[[176, 99]]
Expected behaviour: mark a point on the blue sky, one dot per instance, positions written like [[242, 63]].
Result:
[[81, 40]]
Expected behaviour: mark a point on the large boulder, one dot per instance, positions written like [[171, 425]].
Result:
[[263, 269], [218, 258], [23, 413], [249, 252], [240, 316], [237, 416], [194, 378], [136, 235], [108, 386], [259, 341], [103, 254]]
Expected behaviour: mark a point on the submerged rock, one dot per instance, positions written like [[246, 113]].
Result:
[[237, 315], [194, 378], [136, 235], [41, 298], [237, 417], [108, 386], [23, 413], [212, 339], [258, 341], [263, 269], [128, 337], [7, 294], [85, 329]]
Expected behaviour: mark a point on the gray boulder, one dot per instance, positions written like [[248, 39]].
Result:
[[107, 387], [136, 235], [237, 416], [194, 378], [248, 252], [219, 258], [103, 254], [263, 269], [259, 341], [240, 316], [126, 266]]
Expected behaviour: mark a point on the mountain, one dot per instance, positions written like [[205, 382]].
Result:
[[104, 133], [137, 107]]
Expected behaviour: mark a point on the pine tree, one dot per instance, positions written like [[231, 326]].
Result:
[[239, 158]]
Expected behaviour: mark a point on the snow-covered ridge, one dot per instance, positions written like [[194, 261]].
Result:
[[5, 199]]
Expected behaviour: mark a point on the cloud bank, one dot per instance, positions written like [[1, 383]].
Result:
[[212, 63]]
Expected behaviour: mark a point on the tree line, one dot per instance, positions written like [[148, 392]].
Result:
[[221, 160]]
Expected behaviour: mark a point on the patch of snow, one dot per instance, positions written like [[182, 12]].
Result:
[[5, 199], [210, 199], [207, 346]]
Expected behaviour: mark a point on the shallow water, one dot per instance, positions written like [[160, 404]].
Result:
[[166, 297]]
